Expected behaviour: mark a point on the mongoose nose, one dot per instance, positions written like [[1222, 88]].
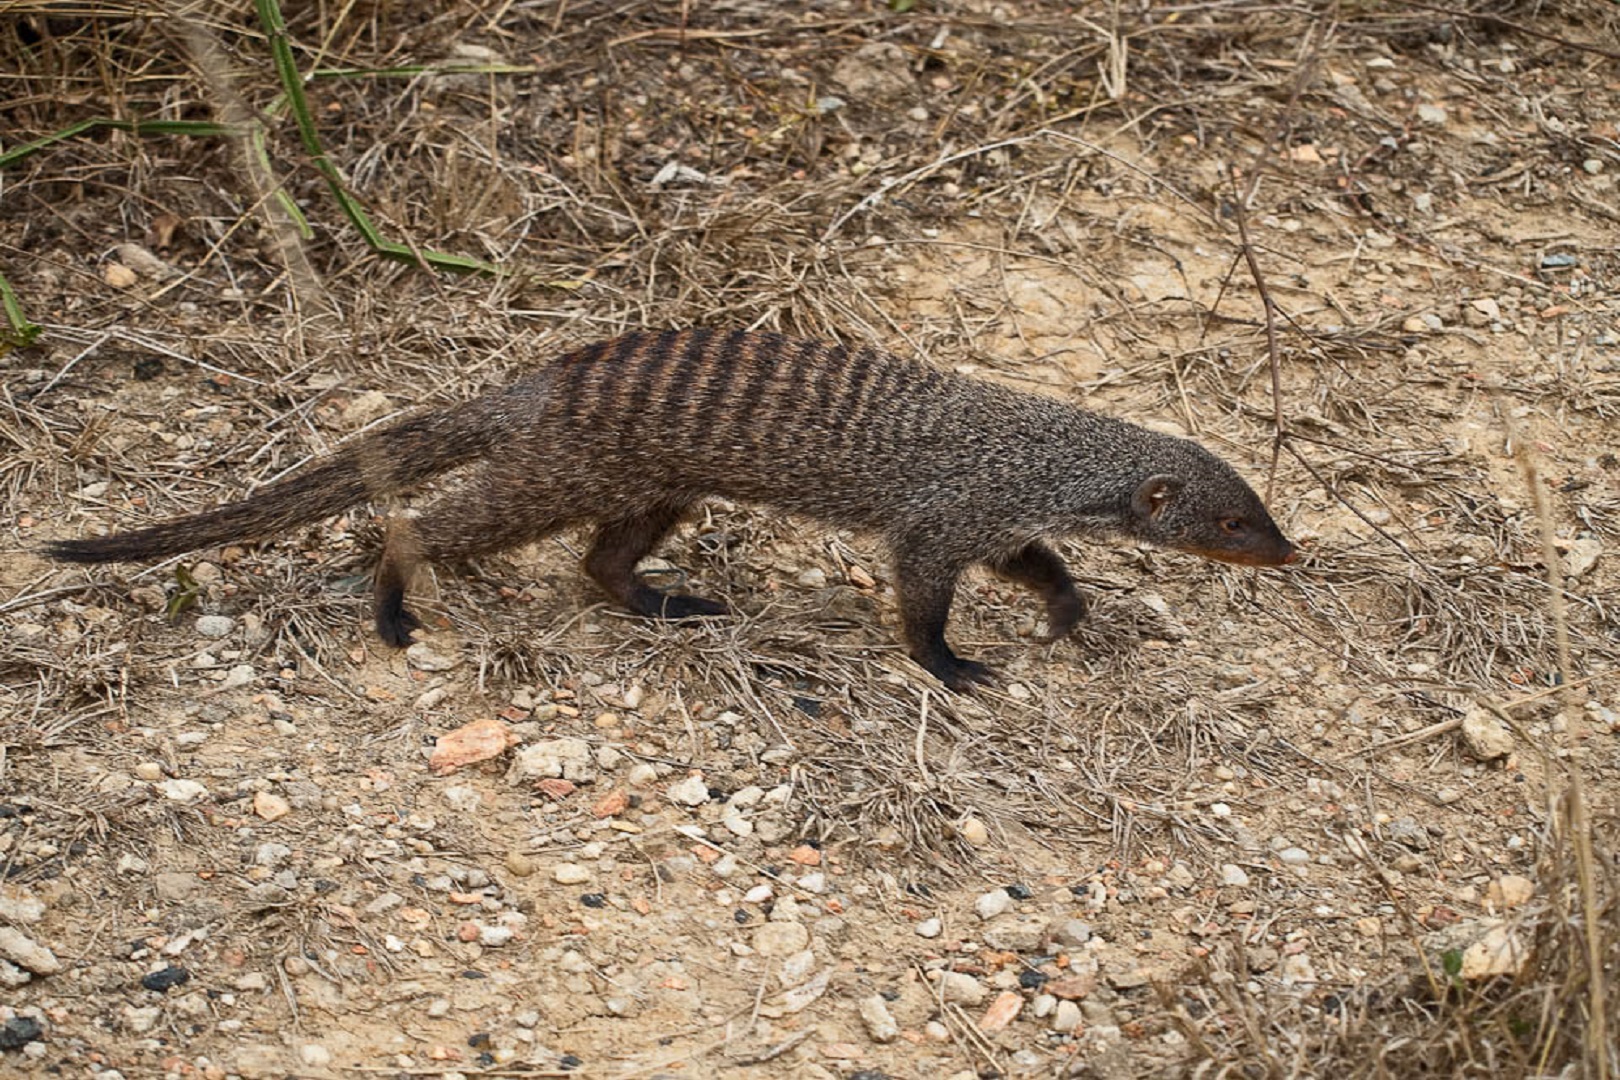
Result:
[[1293, 554]]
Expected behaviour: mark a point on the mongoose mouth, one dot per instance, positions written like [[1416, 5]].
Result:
[[1245, 557]]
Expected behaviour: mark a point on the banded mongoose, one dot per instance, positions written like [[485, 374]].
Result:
[[629, 434]]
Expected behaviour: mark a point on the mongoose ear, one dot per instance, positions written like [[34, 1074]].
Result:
[[1154, 495]]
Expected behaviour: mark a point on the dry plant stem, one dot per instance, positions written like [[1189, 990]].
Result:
[[1577, 810], [1365, 520], [210, 61], [1273, 350]]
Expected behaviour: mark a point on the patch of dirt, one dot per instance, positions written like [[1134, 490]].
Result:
[[1238, 820]]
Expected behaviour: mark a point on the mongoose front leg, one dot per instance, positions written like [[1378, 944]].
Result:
[[1040, 568], [926, 588], [611, 563]]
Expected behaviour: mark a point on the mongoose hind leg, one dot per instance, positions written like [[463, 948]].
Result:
[[611, 563], [926, 588], [400, 558], [1040, 568], [474, 519]]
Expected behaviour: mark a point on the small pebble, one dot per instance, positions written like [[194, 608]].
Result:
[[974, 831], [1066, 1017], [1016, 933], [992, 904], [1002, 1011], [141, 1019], [215, 626], [20, 949], [493, 937], [570, 874], [879, 1022], [1072, 933], [1234, 875], [961, 988], [781, 939], [270, 806], [689, 792], [929, 928], [166, 978], [1485, 736], [423, 657], [1509, 891], [1294, 856], [19, 1031], [182, 790]]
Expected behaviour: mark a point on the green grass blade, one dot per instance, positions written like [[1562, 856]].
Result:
[[18, 331], [204, 128], [292, 83]]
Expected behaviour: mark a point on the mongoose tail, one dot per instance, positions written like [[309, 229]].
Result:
[[374, 465], [629, 435]]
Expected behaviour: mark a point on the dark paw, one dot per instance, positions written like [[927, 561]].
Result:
[[657, 605], [394, 625], [957, 674], [1063, 614]]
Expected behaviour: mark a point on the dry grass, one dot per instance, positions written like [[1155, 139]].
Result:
[[535, 136]]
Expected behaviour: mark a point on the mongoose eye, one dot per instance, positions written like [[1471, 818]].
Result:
[[1232, 526]]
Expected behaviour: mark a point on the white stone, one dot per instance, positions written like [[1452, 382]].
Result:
[[689, 792], [1509, 891], [215, 626], [28, 954], [961, 988], [423, 657], [993, 903], [1485, 736], [1582, 556], [1498, 951], [570, 759], [781, 939], [182, 790], [315, 1055], [875, 1015]]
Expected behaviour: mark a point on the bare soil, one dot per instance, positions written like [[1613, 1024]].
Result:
[[1316, 821]]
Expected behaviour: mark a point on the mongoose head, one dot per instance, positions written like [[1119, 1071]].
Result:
[[1208, 510]]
